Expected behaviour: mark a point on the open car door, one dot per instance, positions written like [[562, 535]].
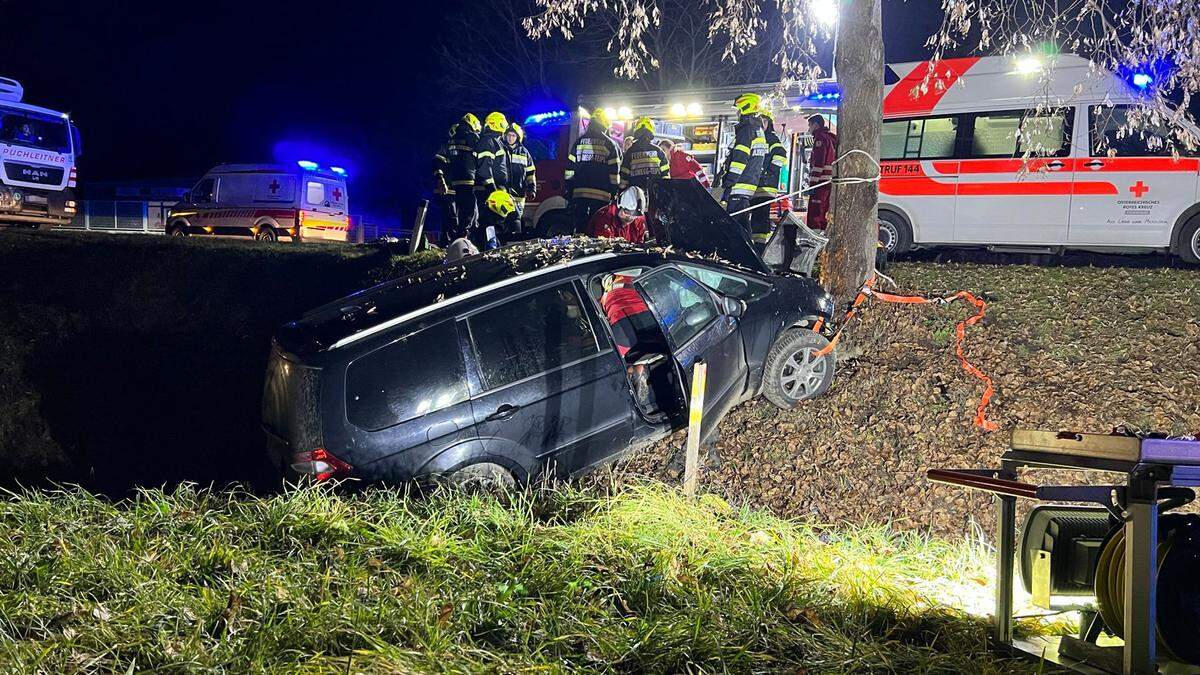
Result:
[[696, 223], [697, 329]]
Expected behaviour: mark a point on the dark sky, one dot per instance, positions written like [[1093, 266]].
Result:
[[168, 88]]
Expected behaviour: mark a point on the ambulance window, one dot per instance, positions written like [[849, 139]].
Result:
[[205, 191], [927, 138], [314, 192], [1113, 137], [1013, 134]]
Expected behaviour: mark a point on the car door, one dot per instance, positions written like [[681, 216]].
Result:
[[697, 330], [551, 389], [1014, 179], [1130, 191], [204, 198]]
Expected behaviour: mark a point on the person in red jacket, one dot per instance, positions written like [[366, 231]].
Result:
[[824, 153], [682, 164], [634, 329], [622, 220]]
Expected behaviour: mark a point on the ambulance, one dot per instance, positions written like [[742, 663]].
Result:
[[268, 202], [967, 159], [38, 149]]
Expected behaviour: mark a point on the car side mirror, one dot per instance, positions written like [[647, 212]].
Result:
[[732, 306]]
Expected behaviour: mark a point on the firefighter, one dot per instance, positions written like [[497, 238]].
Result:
[[824, 153], [522, 174], [622, 220], [745, 164], [500, 207], [593, 171], [443, 193], [460, 173], [644, 165], [768, 184], [491, 174]]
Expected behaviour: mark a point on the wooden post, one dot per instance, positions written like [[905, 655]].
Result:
[[691, 467]]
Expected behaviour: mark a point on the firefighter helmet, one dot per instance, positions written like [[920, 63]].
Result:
[[767, 113], [472, 122], [632, 200], [600, 119], [501, 203], [496, 121], [748, 104], [516, 128], [644, 124]]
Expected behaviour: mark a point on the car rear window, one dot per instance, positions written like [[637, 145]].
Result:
[[531, 335], [412, 377], [314, 192]]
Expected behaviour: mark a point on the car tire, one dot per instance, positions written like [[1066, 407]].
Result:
[[266, 233], [895, 234], [1189, 242], [485, 475], [793, 373], [177, 230], [554, 223]]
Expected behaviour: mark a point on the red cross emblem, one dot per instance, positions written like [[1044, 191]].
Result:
[[274, 186], [1138, 189], [337, 194]]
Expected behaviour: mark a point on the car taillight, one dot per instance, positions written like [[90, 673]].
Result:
[[320, 464], [300, 218], [73, 178]]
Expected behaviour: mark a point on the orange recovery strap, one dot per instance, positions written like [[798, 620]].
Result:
[[960, 333]]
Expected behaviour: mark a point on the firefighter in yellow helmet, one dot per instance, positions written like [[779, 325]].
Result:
[[643, 166], [522, 175], [491, 173], [768, 183], [500, 206], [743, 169], [456, 167], [593, 172]]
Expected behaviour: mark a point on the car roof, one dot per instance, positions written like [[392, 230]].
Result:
[[377, 309]]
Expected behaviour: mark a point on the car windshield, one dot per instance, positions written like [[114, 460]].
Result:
[[34, 130]]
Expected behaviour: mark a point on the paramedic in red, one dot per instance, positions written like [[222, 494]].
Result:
[[682, 164], [824, 152], [634, 329], [622, 220]]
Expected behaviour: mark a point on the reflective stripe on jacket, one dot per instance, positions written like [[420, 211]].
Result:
[[491, 162], [745, 165], [768, 185], [594, 166], [460, 157], [644, 163]]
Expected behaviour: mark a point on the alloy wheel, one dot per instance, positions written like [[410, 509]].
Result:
[[803, 373]]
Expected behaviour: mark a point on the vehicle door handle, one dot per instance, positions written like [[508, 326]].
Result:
[[1055, 165], [503, 412], [1094, 164]]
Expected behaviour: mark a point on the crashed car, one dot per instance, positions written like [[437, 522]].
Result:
[[513, 363]]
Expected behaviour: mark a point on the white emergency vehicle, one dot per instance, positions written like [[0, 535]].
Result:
[[269, 202], [38, 149], [968, 161]]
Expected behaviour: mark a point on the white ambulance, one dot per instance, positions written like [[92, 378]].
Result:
[[956, 172], [38, 149]]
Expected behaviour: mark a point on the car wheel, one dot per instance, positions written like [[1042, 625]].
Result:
[[1189, 242], [177, 230], [555, 223], [266, 233], [894, 233], [482, 475], [794, 372]]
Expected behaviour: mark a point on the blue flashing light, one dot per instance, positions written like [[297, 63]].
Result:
[[1142, 80], [547, 118], [338, 170], [307, 165]]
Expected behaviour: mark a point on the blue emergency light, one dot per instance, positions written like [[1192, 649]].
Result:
[[547, 118], [338, 170], [307, 165], [1142, 80]]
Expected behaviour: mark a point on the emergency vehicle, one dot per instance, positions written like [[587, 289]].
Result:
[[966, 161], [266, 201], [38, 149]]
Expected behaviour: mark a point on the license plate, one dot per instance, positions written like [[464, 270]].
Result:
[[35, 199]]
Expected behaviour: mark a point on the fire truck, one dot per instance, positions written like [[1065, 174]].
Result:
[[1031, 154], [38, 149]]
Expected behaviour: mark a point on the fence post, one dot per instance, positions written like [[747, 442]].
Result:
[[418, 232], [691, 468], [87, 215]]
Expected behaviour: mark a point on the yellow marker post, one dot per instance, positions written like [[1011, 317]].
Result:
[[691, 467]]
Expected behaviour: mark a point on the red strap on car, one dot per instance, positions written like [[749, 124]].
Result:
[[960, 333]]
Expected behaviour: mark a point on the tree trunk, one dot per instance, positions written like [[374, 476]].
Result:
[[853, 232]]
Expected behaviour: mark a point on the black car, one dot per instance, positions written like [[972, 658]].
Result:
[[504, 364]]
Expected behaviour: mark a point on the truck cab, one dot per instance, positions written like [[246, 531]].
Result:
[[38, 149]]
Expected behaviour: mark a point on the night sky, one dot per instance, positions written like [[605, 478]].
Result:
[[164, 89]]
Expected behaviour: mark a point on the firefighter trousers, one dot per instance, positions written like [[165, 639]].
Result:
[[582, 210], [466, 214]]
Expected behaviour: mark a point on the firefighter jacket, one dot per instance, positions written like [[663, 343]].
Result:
[[824, 153], [593, 167], [522, 174], [460, 157], [776, 159], [491, 162], [745, 164], [441, 166], [643, 163]]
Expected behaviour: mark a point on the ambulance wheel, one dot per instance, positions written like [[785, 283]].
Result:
[[266, 233], [894, 233], [794, 372], [177, 230], [1189, 242]]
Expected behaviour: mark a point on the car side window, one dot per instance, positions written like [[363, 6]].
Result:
[[682, 304], [726, 283], [1113, 135], [1015, 133], [412, 377], [205, 191], [530, 335]]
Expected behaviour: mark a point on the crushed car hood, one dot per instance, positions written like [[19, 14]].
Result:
[[696, 223]]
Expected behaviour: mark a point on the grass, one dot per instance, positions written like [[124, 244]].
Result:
[[551, 580]]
